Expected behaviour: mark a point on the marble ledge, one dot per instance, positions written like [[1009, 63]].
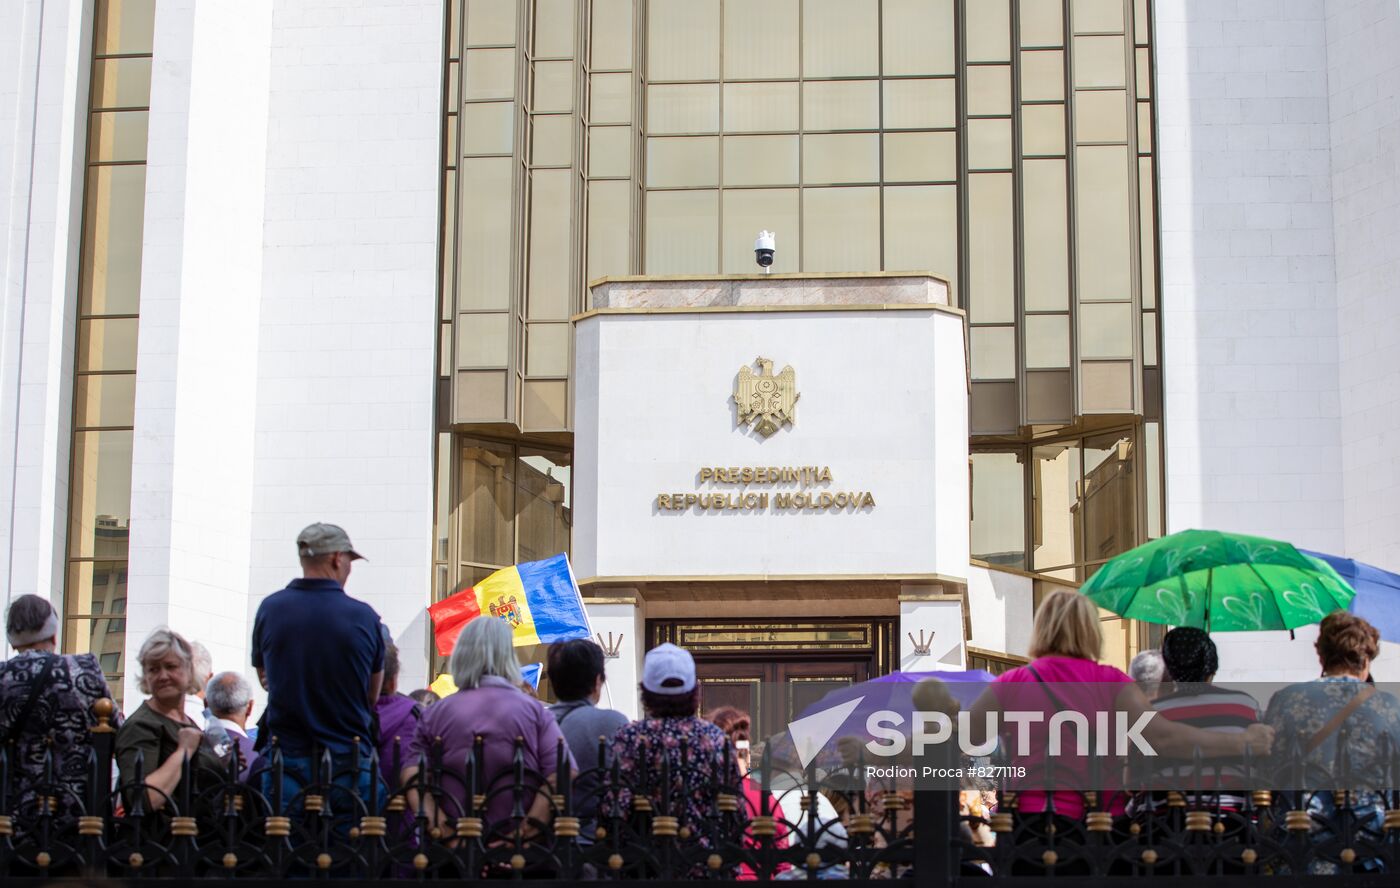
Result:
[[768, 290]]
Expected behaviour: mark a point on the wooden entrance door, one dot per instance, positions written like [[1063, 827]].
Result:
[[774, 671]]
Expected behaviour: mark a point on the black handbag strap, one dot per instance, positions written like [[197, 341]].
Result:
[[1059, 704], [28, 708]]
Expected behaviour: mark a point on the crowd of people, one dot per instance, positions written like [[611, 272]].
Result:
[[331, 676]]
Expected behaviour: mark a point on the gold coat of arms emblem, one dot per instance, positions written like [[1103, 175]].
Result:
[[765, 401]]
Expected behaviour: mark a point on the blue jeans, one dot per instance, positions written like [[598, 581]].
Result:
[[338, 803]]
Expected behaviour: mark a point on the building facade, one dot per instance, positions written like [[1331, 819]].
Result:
[[334, 276]]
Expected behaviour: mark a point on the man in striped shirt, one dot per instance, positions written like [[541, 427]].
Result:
[[1191, 660]]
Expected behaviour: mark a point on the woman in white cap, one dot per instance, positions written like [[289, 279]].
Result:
[[671, 697], [46, 707]]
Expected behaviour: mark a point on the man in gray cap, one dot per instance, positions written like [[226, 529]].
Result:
[[320, 655]]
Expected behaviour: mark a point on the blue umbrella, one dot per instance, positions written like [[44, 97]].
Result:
[[1377, 593]]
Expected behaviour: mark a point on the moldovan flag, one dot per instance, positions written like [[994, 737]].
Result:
[[539, 600]]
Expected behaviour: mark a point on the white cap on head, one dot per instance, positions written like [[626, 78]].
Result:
[[668, 669]]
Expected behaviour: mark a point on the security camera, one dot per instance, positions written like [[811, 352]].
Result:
[[764, 248]]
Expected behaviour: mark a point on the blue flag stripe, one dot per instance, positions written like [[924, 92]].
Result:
[[555, 603]]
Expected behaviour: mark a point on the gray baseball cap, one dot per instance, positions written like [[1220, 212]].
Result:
[[324, 539]]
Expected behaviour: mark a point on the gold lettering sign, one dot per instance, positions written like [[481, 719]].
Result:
[[805, 493], [767, 400]]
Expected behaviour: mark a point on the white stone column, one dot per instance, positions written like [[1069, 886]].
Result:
[[617, 620], [936, 619]]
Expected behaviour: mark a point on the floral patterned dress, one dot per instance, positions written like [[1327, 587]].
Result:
[[697, 777], [59, 722], [1298, 712]]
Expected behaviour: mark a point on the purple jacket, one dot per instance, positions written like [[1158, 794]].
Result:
[[398, 722]]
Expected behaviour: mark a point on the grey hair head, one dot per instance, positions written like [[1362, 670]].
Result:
[[201, 661], [157, 645], [485, 647], [227, 694], [1148, 668]]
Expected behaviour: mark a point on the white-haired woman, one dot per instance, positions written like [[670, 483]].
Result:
[[488, 702], [159, 731]]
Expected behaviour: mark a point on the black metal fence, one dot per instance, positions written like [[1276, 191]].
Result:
[[275, 827]]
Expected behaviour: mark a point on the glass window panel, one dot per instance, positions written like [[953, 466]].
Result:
[[847, 157], [919, 104], [488, 128], [999, 509], [443, 496], [840, 104], [484, 235], [449, 244], [1043, 75], [554, 28], [451, 127], [1141, 21], [547, 350], [610, 98], [101, 495], [445, 355], [682, 108], [1147, 258], [554, 86], [112, 232], [1106, 387], [1144, 127], [994, 408], [760, 41], [544, 500], [1106, 330], [609, 228], [121, 83], [683, 40], [989, 288], [1152, 468], [840, 38], [104, 401], [551, 142], [610, 35], [841, 229], [490, 22], [682, 232], [483, 340], [751, 210], [107, 344], [921, 157], [918, 37], [124, 26], [1049, 397], [486, 476], [1047, 342], [1144, 74], [1100, 116], [760, 160], [989, 89], [550, 247], [610, 151], [490, 74], [989, 144], [1042, 22], [118, 135], [1149, 338], [921, 229], [760, 107], [1110, 496], [988, 29], [1098, 15], [993, 352], [480, 396], [1046, 241], [1054, 505], [545, 405], [682, 162], [1099, 61], [1043, 129], [1101, 211], [454, 86]]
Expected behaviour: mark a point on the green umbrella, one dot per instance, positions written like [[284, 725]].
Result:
[[1220, 582]]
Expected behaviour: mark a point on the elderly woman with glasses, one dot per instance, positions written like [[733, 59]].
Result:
[[159, 732]]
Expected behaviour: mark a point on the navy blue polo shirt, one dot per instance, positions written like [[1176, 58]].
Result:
[[319, 648]]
